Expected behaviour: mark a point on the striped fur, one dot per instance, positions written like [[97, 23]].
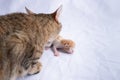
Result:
[[22, 40]]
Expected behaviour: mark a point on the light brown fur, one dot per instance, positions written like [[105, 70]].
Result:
[[22, 40]]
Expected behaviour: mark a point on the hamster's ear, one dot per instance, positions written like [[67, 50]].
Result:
[[29, 11], [57, 13]]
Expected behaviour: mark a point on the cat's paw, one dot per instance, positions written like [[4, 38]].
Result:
[[35, 68]]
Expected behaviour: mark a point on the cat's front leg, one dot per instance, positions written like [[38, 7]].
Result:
[[36, 65]]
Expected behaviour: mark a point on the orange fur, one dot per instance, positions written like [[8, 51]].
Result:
[[66, 45]]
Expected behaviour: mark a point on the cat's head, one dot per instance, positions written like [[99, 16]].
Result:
[[50, 20]]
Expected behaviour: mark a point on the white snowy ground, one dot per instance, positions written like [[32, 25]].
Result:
[[95, 27]]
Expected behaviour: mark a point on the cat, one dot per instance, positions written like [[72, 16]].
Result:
[[61, 44], [22, 39]]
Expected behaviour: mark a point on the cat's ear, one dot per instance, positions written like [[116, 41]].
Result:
[[29, 11], [57, 13]]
